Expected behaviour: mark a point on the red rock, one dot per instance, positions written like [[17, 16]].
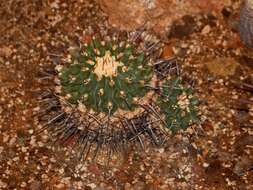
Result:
[[167, 52], [159, 14]]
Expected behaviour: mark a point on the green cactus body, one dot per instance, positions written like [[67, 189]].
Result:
[[105, 77], [109, 95], [177, 105]]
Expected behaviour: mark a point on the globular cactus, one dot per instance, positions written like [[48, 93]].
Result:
[[177, 105], [105, 77], [109, 95]]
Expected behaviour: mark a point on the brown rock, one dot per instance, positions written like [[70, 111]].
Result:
[[242, 166], [222, 66], [126, 14], [167, 52], [5, 51], [36, 185], [159, 14]]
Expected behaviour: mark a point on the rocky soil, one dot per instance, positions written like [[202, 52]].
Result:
[[215, 154]]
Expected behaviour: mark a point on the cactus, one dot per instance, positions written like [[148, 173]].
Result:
[[109, 95], [105, 77], [177, 105]]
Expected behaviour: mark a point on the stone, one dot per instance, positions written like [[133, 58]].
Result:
[[246, 23], [222, 66], [35, 185], [242, 166], [5, 51], [157, 14], [206, 30]]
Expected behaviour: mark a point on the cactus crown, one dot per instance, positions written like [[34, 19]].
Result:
[[105, 77]]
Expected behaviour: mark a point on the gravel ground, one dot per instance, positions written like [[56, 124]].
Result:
[[216, 154]]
